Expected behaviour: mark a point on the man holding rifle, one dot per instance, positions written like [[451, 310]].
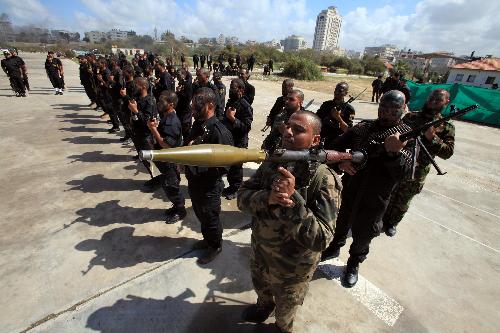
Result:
[[439, 141], [336, 115], [368, 187]]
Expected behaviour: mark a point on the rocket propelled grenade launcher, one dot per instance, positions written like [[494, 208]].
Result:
[[214, 155]]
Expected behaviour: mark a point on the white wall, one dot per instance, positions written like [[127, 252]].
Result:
[[480, 79]]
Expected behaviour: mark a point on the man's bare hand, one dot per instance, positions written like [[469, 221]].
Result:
[[335, 114], [347, 167], [432, 131], [282, 189], [392, 143], [132, 106], [230, 113]]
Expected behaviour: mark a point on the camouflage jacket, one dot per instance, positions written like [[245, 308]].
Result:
[[442, 145], [288, 241]]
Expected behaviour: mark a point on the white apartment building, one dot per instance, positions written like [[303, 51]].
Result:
[[327, 32]]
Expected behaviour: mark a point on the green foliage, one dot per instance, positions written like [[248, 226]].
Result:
[[402, 67], [69, 54], [373, 65], [302, 69]]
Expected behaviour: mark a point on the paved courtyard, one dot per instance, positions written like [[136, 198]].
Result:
[[83, 249]]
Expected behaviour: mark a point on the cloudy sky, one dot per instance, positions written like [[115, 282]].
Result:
[[460, 26]]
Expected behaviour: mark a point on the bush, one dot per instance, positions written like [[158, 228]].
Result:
[[69, 54], [302, 69]]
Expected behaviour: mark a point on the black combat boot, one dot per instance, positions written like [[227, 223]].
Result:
[[390, 230], [257, 313], [210, 254], [330, 252], [351, 274], [175, 214]]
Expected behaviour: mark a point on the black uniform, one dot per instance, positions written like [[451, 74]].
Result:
[[165, 82], [196, 59], [12, 66], [249, 92], [251, 62], [21, 63], [170, 130], [183, 109], [276, 109], [53, 72], [365, 195], [239, 129], [209, 62], [202, 60], [87, 81], [115, 86], [238, 61], [376, 89], [221, 88], [205, 184], [139, 123], [219, 109], [330, 128], [271, 65]]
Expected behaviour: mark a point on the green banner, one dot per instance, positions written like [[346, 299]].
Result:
[[461, 96]]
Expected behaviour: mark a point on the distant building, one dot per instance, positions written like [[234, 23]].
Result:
[[251, 42], [116, 34], [293, 43], [64, 35], [385, 52], [327, 32], [232, 40], [221, 40], [480, 73], [113, 34], [95, 36], [352, 54]]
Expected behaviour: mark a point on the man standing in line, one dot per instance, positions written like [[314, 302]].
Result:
[[238, 120], [13, 69], [368, 187], [438, 141], [205, 184], [54, 69], [377, 88], [244, 74], [336, 115]]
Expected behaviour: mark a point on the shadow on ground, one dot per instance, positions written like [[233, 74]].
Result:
[[99, 156], [89, 140], [119, 248], [172, 314]]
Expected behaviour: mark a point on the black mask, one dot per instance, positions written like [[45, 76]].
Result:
[[233, 95]]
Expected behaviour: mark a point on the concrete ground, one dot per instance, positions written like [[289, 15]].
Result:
[[83, 249]]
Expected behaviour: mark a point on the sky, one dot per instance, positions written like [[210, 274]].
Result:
[[459, 26]]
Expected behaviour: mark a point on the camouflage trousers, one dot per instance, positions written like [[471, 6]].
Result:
[[287, 296], [400, 200]]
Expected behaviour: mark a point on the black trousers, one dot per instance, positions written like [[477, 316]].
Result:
[[110, 109], [376, 95], [235, 176], [206, 202], [56, 81], [26, 82], [90, 92], [170, 181], [362, 234], [17, 84]]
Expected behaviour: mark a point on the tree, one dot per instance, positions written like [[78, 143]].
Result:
[[402, 67], [373, 65], [86, 39]]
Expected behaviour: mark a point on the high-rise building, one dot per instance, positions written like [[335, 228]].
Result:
[[327, 32]]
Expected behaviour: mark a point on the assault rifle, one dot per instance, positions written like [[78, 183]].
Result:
[[416, 133]]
